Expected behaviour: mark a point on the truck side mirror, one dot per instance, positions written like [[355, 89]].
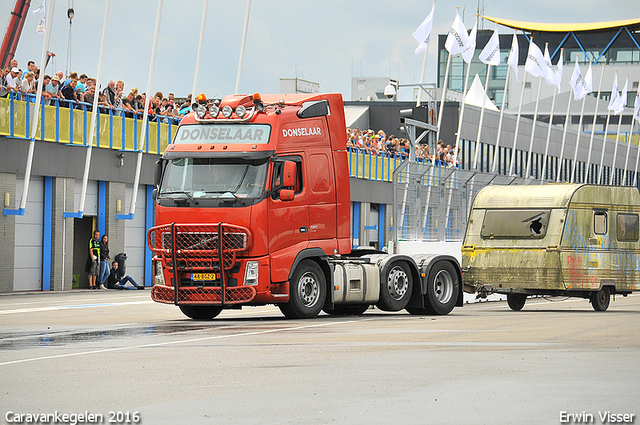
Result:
[[158, 172], [286, 195], [289, 174]]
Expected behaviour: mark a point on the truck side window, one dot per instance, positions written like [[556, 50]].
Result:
[[600, 223], [627, 227], [278, 168]]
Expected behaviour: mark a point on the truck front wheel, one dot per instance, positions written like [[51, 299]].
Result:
[[396, 287], [200, 312], [600, 299], [307, 291]]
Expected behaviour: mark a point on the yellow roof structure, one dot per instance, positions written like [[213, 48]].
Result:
[[631, 24]]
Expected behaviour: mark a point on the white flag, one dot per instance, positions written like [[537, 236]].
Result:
[[550, 75], [535, 61], [40, 9], [514, 55], [558, 73], [470, 49], [588, 81], [40, 29], [613, 102], [622, 99], [581, 86], [457, 39], [491, 52], [423, 33]]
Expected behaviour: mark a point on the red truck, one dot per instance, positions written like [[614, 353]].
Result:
[[253, 208]]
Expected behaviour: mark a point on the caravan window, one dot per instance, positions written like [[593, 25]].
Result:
[[509, 224], [600, 223], [627, 227]]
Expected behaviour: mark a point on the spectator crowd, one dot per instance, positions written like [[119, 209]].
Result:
[[378, 143], [75, 91], [79, 92]]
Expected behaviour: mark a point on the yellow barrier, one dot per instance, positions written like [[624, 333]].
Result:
[[63, 125]]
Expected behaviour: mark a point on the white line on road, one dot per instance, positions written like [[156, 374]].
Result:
[[67, 307], [184, 341]]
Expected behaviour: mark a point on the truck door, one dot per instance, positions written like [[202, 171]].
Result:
[[322, 210], [288, 220]]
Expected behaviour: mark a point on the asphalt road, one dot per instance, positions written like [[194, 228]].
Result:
[[119, 355]]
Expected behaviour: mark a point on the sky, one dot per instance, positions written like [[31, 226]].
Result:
[[327, 41]]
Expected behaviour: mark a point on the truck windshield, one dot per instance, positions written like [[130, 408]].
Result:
[[211, 178]]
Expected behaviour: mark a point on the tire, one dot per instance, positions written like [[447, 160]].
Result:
[[516, 301], [307, 292], [600, 299], [442, 288], [200, 312], [396, 287], [347, 310]]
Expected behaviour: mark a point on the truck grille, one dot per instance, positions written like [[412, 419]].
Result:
[[205, 253], [209, 296]]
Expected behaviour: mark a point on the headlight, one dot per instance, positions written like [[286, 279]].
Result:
[[227, 111], [241, 111], [251, 273], [201, 111], [159, 278], [214, 111]]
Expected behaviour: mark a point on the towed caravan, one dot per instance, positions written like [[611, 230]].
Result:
[[574, 240]]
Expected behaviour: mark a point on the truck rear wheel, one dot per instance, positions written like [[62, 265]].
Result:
[[442, 290], [307, 291], [200, 312], [600, 299], [516, 301], [396, 287]]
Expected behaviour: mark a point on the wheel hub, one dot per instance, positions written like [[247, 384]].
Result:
[[443, 286], [308, 289], [397, 283]]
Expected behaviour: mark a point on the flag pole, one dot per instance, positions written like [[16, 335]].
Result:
[[464, 96], [626, 159], [424, 66], [515, 134], [444, 90], [579, 133], [556, 88], [504, 97], [637, 155], [546, 146], [48, 23], [533, 127], [615, 149], [203, 23], [486, 83], [564, 135], [593, 125], [244, 42], [604, 140]]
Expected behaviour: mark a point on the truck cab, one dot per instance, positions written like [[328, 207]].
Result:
[[253, 208]]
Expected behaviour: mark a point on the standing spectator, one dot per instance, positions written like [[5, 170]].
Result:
[[88, 96], [69, 93], [53, 88], [110, 93], [13, 82], [82, 83], [45, 94], [93, 261], [28, 85], [104, 260]]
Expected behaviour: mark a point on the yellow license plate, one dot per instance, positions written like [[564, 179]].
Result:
[[203, 276]]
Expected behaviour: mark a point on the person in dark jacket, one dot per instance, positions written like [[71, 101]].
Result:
[[104, 261], [116, 282]]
